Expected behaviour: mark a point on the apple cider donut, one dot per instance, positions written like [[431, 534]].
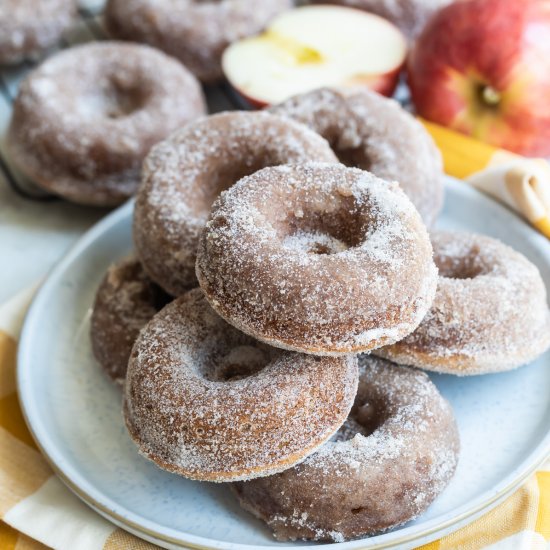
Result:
[[393, 456], [410, 16], [84, 119], [210, 403], [183, 175], [317, 258], [194, 31], [375, 133], [28, 27], [125, 302], [490, 312]]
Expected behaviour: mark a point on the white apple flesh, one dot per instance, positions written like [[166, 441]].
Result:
[[313, 47]]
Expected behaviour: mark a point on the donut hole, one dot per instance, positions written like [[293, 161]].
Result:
[[240, 362], [363, 419], [468, 266], [114, 99], [354, 157], [220, 177], [314, 243], [345, 142], [331, 226], [160, 297]]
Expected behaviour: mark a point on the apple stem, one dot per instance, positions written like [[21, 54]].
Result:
[[490, 95]]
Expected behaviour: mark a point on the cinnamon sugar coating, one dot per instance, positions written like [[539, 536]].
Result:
[[183, 175], [194, 31], [28, 27], [84, 120], [210, 403], [317, 258], [490, 312], [410, 16], [375, 133], [393, 456], [125, 302]]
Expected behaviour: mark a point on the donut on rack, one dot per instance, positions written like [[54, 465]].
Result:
[[317, 258], [83, 120], [194, 31], [393, 456], [210, 403], [183, 175], [374, 133], [490, 312], [28, 27], [125, 302]]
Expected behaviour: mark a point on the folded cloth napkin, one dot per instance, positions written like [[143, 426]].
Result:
[[37, 511], [522, 184]]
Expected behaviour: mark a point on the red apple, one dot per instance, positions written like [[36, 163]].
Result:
[[312, 47], [482, 67]]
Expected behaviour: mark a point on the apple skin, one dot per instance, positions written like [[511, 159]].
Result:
[[482, 67]]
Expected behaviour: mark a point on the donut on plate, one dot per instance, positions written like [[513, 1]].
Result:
[[490, 312], [210, 403], [410, 16], [83, 121], [393, 456], [374, 133], [125, 302], [183, 175], [194, 31], [317, 258], [28, 27]]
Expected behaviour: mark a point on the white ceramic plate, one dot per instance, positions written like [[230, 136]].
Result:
[[74, 411]]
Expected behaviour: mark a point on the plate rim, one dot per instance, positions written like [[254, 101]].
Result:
[[102, 504]]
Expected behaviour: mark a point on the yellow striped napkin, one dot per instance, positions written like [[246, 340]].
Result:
[[37, 511], [520, 183]]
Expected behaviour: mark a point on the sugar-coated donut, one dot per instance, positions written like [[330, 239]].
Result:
[[393, 456], [183, 175], [84, 120], [194, 31], [375, 133], [410, 16], [317, 258], [490, 312], [125, 302], [208, 402], [28, 27]]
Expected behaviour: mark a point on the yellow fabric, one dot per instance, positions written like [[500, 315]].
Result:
[[542, 525], [522, 184], [11, 539], [462, 155]]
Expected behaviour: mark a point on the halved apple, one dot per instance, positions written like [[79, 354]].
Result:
[[312, 47]]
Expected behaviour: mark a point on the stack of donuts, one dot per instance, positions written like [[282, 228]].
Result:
[[286, 278], [288, 287]]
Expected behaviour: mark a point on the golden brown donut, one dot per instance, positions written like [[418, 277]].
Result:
[[490, 312], [84, 120], [28, 27], [183, 175], [194, 31], [317, 258], [410, 16], [125, 302], [393, 456], [208, 402], [375, 133]]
